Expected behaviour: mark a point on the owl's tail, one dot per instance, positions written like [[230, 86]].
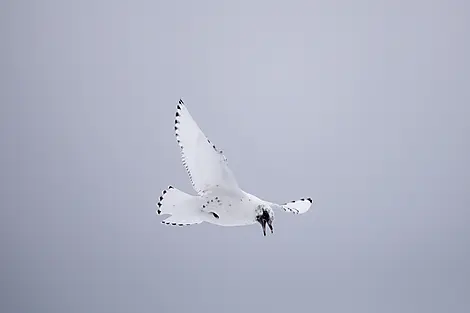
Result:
[[184, 208]]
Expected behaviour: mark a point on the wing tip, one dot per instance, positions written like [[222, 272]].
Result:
[[303, 199], [293, 207], [160, 199], [180, 104]]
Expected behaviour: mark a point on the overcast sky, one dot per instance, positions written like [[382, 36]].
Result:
[[362, 105]]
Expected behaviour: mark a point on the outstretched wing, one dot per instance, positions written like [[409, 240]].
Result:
[[206, 165], [296, 207]]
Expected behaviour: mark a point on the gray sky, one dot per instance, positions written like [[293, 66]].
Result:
[[361, 105]]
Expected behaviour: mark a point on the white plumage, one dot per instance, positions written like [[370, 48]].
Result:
[[219, 199]]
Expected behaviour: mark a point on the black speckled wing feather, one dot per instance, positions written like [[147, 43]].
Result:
[[295, 207], [206, 165]]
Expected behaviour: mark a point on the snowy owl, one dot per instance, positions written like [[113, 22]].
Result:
[[219, 199]]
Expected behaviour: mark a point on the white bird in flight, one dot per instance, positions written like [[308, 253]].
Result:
[[219, 199]]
